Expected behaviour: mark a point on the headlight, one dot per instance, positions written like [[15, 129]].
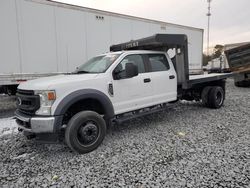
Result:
[[47, 99]]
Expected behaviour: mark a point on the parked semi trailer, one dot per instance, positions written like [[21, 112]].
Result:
[[40, 38], [239, 62]]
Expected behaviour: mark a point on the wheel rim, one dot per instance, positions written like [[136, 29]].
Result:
[[219, 98], [88, 133]]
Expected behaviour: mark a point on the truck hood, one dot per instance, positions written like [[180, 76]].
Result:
[[52, 82]]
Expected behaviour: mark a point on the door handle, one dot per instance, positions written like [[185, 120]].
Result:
[[146, 80], [171, 77]]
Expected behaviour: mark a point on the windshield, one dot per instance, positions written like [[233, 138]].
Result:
[[97, 64]]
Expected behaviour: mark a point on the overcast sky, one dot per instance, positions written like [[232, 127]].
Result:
[[230, 20]]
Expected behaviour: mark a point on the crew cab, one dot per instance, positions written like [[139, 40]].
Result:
[[112, 87]]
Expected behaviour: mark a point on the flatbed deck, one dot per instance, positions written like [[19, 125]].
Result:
[[198, 79]]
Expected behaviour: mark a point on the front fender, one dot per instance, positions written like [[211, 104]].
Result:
[[78, 95]]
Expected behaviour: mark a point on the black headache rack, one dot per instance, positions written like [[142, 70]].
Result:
[[164, 42]]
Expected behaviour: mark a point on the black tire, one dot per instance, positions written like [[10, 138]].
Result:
[[237, 84], [11, 90], [216, 97], [85, 131], [204, 95], [243, 83]]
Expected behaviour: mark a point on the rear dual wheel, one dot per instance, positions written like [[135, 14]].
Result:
[[213, 96], [85, 131]]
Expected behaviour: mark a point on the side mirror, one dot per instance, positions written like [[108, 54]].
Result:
[[131, 70]]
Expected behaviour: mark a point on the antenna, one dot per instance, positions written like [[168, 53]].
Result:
[[208, 24]]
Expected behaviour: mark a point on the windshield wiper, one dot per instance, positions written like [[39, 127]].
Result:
[[81, 72]]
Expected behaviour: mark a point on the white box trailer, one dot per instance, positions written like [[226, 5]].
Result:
[[41, 38]]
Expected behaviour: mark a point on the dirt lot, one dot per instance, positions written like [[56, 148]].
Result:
[[186, 146]]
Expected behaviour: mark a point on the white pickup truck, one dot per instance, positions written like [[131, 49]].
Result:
[[113, 87]]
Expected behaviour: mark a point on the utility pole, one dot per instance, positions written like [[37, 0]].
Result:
[[208, 24]]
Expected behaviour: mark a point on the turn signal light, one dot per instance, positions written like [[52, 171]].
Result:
[[51, 96]]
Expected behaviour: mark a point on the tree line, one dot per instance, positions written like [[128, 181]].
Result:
[[217, 51]]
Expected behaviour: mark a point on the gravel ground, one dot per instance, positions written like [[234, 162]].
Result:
[[186, 146]]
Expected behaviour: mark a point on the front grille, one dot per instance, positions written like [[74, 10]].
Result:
[[27, 102]]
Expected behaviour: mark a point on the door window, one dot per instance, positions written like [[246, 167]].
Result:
[[135, 59], [158, 62]]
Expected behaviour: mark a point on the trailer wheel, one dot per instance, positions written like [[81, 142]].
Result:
[[85, 131], [243, 83], [216, 97], [204, 95], [10, 90], [237, 84]]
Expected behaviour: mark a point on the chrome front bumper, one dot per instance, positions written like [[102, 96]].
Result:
[[35, 124]]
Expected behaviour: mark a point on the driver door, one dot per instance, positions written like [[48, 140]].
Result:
[[131, 93]]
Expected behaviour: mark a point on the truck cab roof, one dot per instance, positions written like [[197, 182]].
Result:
[[132, 52]]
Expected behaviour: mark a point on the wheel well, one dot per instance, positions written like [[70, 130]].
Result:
[[81, 105], [195, 92]]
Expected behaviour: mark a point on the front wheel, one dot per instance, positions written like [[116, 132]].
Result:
[[85, 131]]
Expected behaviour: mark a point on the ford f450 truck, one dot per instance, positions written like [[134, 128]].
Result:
[[136, 78]]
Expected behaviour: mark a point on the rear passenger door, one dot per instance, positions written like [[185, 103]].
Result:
[[163, 78]]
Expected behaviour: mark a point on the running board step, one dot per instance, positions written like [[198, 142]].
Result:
[[120, 120]]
